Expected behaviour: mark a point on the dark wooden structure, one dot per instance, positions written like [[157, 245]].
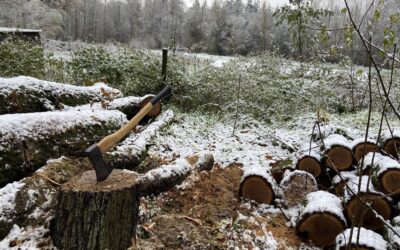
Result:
[[24, 34]]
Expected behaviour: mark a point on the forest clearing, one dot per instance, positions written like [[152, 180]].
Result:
[[228, 125]]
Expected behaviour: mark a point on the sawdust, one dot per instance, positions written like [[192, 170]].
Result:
[[207, 213]]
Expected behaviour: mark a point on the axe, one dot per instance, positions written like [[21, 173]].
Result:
[[95, 152]]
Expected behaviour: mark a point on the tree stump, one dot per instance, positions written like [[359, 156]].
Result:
[[368, 240], [311, 164], [321, 220], [258, 185], [92, 215], [392, 146], [361, 148]]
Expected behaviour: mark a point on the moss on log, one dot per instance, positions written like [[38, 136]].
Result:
[[27, 94], [28, 140]]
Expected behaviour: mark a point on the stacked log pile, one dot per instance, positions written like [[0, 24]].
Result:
[[360, 180]]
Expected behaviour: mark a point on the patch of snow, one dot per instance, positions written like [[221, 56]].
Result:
[[368, 239], [179, 167], [361, 140], [336, 140], [7, 198], [25, 238]]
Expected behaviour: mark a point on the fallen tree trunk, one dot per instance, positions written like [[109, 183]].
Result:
[[339, 154], [28, 140], [359, 212], [368, 240], [311, 164], [361, 148], [258, 185], [321, 220], [130, 106], [104, 215], [296, 186], [27, 94], [130, 152]]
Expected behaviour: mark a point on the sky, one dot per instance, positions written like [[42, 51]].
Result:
[[273, 3]]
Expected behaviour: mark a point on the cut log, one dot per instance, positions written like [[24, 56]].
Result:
[[321, 220], [26, 94], [311, 164], [130, 106], [30, 202], [357, 209], [258, 185], [28, 140], [388, 173], [130, 152], [338, 153], [279, 168], [104, 215], [393, 237], [339, 182], [391, 145], [368, 240], [361, 148], [296, 186]]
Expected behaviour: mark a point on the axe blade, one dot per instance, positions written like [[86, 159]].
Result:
[[102, 169]]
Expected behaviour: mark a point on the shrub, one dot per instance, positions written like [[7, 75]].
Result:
[[18, 57]]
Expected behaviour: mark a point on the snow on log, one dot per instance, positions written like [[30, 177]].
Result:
[[357, 210], [104, 215], [368, 240], [310, 163], [296, 186], [321, 220], [130, 106], [339, 182], [258, 185], [26, 94], [361, 148], [392, 237], [131, 151], [28, 204], [391, 143], [28, 140], [338, 153]]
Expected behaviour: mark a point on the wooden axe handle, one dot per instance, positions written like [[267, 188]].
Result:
[[111, 140]]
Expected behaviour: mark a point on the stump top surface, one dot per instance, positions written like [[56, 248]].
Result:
[[118, 179]]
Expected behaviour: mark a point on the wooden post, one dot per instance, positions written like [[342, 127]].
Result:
[[164, 64]]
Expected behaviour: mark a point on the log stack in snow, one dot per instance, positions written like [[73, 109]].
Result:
[[367, 239], [258, 185], [321, 220], [104, 215], [26, 94]]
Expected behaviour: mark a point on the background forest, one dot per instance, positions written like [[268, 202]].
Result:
[[225, 27]]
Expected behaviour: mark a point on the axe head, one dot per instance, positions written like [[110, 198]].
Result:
[[103, 170]]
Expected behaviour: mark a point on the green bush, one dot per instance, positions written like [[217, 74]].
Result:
[[18, 57]]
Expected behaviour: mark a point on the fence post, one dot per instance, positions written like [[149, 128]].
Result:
[[164, 64]]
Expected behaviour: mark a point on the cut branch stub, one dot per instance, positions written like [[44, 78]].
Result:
[[310, 164], [359, 152], [362, 215], [258, 185], [392, 146], [339, 157], [92, 215], [320, 223]]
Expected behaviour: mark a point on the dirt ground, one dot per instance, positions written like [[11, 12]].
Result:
[[205, 212]]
